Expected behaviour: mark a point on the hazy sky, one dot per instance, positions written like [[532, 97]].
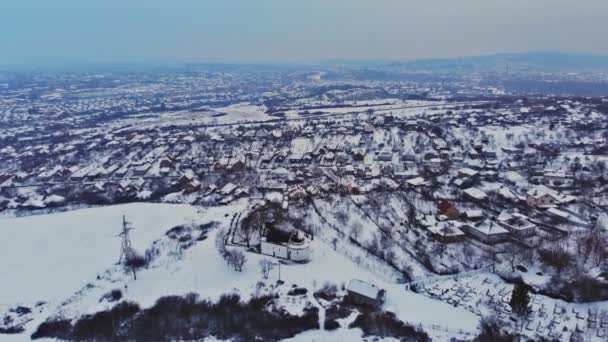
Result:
[[93, 31]]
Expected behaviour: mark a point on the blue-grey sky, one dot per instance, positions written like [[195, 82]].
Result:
[[167, 31]]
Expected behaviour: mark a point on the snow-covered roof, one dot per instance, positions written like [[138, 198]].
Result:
[[558, 213], [416, 181], [228, 188], [542, 190], [474, 213], [468, 171], [489, 227], [364, 288], [475, 193]]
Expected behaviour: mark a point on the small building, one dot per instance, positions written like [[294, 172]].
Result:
[[544, 197], [447, 209], [472, 214], [467, 172], [516, 223], [365, 293], [475, 194], [487, 231], [446, 232], [416, 182]]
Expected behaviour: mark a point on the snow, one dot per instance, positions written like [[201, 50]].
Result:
[[67, 249]]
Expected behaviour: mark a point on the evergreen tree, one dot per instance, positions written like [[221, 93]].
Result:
[[520, 298]]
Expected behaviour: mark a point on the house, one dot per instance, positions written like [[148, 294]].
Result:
[[191, 187], [358, 154], [228, 189], [516, 223], [447, 209], [365, 293], [475, 194], [512, 150], [467, 172], [446, 232], [544, 197], [487, 231], [141, 170], [385, 156], [472, 214], [418, 181], [557, 178]]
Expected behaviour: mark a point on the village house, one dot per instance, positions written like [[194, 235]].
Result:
[[487, 231], [446, 232], [448, 210], [542, 196], [475, 194], [516, 223]]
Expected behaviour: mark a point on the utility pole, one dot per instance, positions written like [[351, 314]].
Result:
[[279, 281], [126, 251]]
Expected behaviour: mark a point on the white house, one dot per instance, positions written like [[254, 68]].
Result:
[[544, 197], [487, 231], [293, 246], [516, 223], [475, 194]]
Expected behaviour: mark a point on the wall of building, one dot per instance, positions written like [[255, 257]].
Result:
[[274, 250]]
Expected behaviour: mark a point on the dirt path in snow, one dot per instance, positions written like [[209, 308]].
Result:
[[319, 306]]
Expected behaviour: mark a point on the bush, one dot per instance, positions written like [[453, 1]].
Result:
[[59, 329], [21, 310], [298, 291], [112, 296], [175, 232], [558, 258], [331, 325], [136, 261], [491, 332], [586, 289], [384, 324], [186, 318], [104, 325], [328, 292], [12, 330]]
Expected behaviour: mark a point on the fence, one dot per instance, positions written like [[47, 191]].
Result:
[[425, 281]]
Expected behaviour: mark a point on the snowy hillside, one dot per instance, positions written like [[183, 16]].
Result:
[[67, 251]]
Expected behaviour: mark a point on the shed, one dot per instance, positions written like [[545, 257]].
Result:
[[365, 293]]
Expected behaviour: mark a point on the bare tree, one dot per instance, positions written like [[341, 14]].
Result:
[[254, 223], [514, 255], [355, 230], [341, 217], [247, 232], [236, 259], [439, 249], [266, 266], [220, 242]]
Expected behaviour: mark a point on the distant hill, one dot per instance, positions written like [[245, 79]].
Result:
[[538, 61]]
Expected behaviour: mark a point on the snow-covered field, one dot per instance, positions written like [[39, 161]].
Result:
[[47, 256]]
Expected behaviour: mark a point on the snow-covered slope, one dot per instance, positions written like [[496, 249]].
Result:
[[62, 254], [52, 255]]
